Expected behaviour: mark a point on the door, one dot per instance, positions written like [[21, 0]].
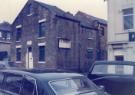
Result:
[[29, 58], [119, 58]]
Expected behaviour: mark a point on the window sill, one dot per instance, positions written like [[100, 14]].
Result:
[[17, 41], [90, 38], [18, 62], [130, 29], [30, 14], [41, 37], [41, 62]]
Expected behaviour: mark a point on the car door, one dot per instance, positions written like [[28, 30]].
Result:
[[12, 83], [29, 86]]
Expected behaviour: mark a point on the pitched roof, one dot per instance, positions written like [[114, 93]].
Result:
[[87, 20], [58, 11], [51, 8]]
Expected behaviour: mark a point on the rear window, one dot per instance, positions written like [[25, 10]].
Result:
[[113, 69], [76, 86]]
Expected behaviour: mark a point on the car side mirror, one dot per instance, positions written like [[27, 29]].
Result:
[[102, 87]]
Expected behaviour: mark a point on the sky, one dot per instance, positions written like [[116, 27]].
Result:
[[9, 9]]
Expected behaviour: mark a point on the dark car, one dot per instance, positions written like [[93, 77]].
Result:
[[26, 82], [118, 77], [5, 93]]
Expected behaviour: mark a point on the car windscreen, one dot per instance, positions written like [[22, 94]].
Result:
[[74, 86], [113, 69]]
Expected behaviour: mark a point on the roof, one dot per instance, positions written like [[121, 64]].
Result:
[[45, 76], [5, 26], [87, 20], [115, 62], [58, 11]]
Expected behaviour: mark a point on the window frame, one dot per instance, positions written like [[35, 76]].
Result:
[[30, 10], [20, 53], [18, 34], [7, 74], [8, 36], [41, 29], [4, 82], [39, 54], [90, 51], [129, 15], [35, 82]]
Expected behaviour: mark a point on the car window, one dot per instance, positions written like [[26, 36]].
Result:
[[1, 80], [13, 83], [4, 93], [113, 69], [29, 86], [72, 86]]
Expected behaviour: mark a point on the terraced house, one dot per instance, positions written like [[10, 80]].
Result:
[[45, 36], [5, 41]]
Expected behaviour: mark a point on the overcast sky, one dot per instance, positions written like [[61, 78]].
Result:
[[10, 8]]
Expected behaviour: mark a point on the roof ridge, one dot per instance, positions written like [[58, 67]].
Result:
[[91, 16]]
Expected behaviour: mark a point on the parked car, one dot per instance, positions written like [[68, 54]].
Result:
[[6, 65], [4, 93], [33, 82], [118, 77], [2, 66]]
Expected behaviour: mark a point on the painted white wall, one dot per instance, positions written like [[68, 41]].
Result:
[[116, 33], [115, 19]]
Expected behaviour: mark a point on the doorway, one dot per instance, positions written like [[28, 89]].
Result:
[[29, 58], [119, 58]]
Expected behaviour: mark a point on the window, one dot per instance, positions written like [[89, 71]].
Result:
[[0, 34], [102, 31], [90, 35], [30, 9], [131, 36], [13, 83], [3, 55], [18, 54], [119, 58], [128, 18], [73, 86], [113, 69], [64, 43], [18, 34], [90, 53], [42, 29], [41, 53], [20, 85], [8, 36], [29, 86]]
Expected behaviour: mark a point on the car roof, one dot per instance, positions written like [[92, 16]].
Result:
[[44, 76], [115, 62]]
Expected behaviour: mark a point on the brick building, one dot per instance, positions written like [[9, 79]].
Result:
[[45, 36], [95, 29], [5, 41]]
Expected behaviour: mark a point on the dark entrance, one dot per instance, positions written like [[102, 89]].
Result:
[[119, 58]]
